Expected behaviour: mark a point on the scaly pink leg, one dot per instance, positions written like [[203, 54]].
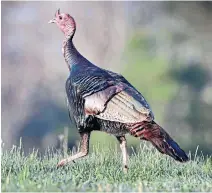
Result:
[[123, 145], [84, 149]]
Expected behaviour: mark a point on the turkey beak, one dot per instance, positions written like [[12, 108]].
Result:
[[56, 15], [52, 21]]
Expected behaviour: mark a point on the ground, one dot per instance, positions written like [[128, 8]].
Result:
[[102, 171]]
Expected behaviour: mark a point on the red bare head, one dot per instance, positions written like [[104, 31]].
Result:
[[65, 22]]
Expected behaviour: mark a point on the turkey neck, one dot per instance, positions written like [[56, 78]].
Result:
[[70, 53]]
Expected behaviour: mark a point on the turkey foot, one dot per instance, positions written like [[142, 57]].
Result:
[[84, 148], [61, 163]]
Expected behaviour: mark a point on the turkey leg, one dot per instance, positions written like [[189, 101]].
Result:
[[84, 149], [123, 145]]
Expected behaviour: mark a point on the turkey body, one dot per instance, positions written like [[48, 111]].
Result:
[[103, 100], [107, 100]]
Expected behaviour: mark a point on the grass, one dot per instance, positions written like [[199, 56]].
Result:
[[102, 171]]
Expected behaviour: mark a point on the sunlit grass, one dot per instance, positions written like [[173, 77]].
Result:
[[102, 171]]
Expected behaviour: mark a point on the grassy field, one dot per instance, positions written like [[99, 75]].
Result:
[[102, 171]]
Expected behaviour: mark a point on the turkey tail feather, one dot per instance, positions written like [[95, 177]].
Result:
[[161, 140], [175, 151]]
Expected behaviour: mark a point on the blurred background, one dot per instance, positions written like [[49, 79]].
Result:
[[162, 48]]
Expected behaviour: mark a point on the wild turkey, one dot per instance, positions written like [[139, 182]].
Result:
[[102, 100]]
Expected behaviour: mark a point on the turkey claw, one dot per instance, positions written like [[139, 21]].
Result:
[[61, 163]]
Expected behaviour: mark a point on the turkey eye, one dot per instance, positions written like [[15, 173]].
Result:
[[60, 17]]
